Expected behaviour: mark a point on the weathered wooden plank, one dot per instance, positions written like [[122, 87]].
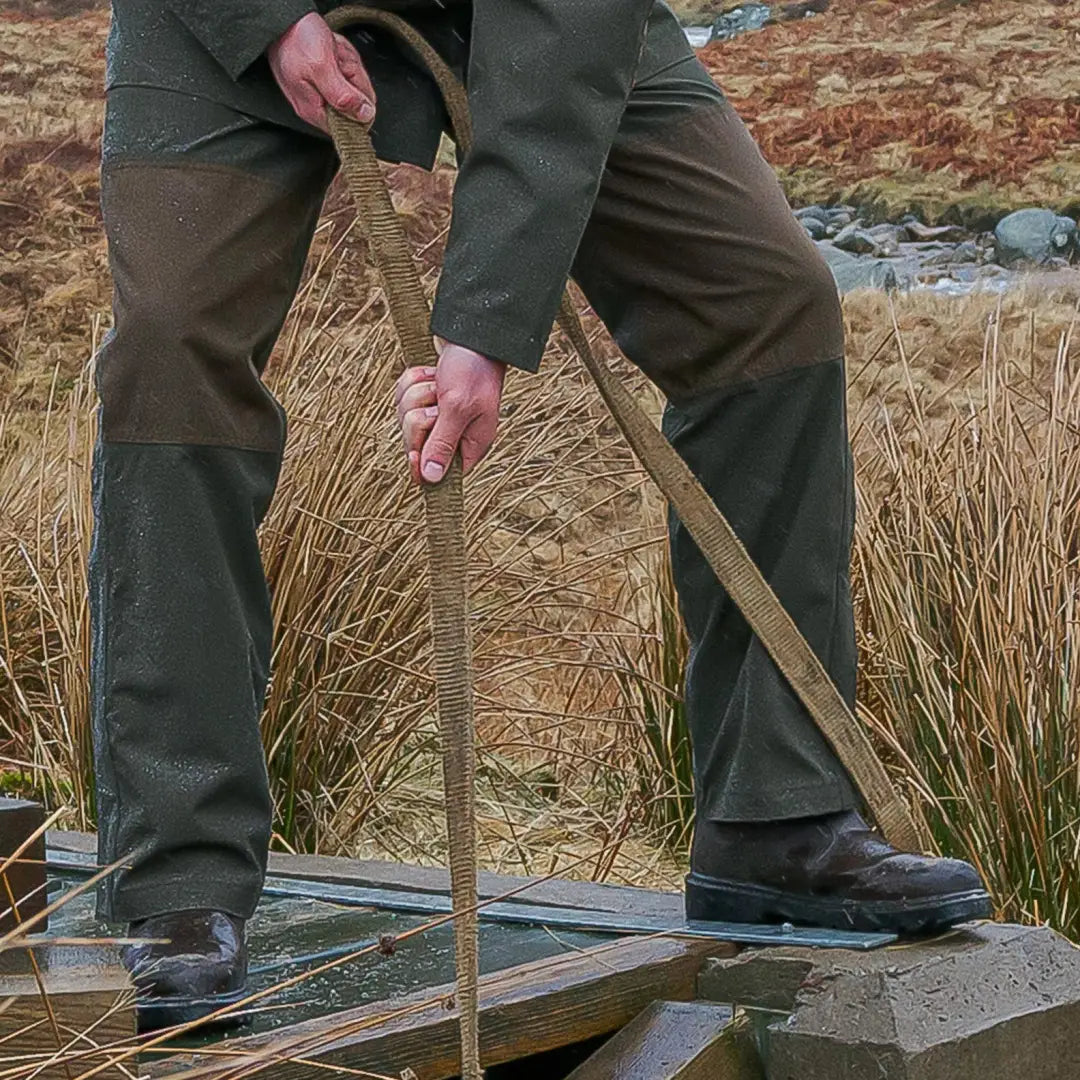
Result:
[[75, 1005], [523, 1010], [657, 1043], [23, 881], [364, 873], [675, 1040]]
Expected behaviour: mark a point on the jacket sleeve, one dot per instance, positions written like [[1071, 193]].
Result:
[[237, 32], [548, 83]]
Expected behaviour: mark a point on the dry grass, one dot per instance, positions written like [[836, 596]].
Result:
[[964, 417], [957, 109], [967, 570], [349, 728]]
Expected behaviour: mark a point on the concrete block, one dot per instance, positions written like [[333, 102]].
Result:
[[22, 883], [991, 1002], [759, 978]]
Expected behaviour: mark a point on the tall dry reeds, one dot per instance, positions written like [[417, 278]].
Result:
[[968, 569], [965, 417], [562, 536]]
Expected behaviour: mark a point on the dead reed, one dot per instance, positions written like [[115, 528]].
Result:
[[968, 574]]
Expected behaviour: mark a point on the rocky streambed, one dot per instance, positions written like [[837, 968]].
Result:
[[1035, 245], [1032, 244]]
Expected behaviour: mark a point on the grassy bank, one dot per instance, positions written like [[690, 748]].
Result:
[[958, 111]]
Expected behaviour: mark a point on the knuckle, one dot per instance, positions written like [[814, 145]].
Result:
[[343, 96], [455, 400]]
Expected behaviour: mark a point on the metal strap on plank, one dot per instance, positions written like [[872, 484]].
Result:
[[520, 913]]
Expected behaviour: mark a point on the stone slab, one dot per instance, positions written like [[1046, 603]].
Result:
[[990, 1001]]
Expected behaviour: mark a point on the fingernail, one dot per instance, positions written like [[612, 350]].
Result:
[[431, 371], [367, 112], [432, 410], [433, 472]]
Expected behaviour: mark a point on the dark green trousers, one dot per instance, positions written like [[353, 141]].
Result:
[[692, 259]]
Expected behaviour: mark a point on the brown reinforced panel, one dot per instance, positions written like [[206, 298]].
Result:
[[523, 1010]]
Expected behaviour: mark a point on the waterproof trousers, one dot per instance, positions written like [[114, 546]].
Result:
[[695, 263]]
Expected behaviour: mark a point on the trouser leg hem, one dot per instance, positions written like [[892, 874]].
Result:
[[782, 804], [188, 893]]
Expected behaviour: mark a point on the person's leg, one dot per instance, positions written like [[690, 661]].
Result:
[[208, 215], [707, 282]]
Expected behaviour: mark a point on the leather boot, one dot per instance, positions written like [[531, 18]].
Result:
[[830, 871], [193, 963]]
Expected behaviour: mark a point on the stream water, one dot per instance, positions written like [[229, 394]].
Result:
[[288, 936]]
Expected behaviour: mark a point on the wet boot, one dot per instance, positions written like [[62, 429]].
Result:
[[192, 964], [829, 871]]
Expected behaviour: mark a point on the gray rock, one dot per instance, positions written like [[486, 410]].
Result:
[[839, 219], [740, 20], [968, 252], [851, 272], [1034, 237], [857, 240], [947, 256], [814, 226], [916, 230], [812, 211], [888, 238], [886, 229]]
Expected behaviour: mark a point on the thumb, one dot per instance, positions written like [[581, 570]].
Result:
[[338, 92], [441, 445]]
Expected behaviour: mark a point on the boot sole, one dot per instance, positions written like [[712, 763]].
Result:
[[715, 900], [155, 1013]]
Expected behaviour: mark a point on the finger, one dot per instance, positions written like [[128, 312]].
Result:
[[340, 94], [410, 376], [352, 67], [415, 426], [414, 466], [441, 444], [417, 396]]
